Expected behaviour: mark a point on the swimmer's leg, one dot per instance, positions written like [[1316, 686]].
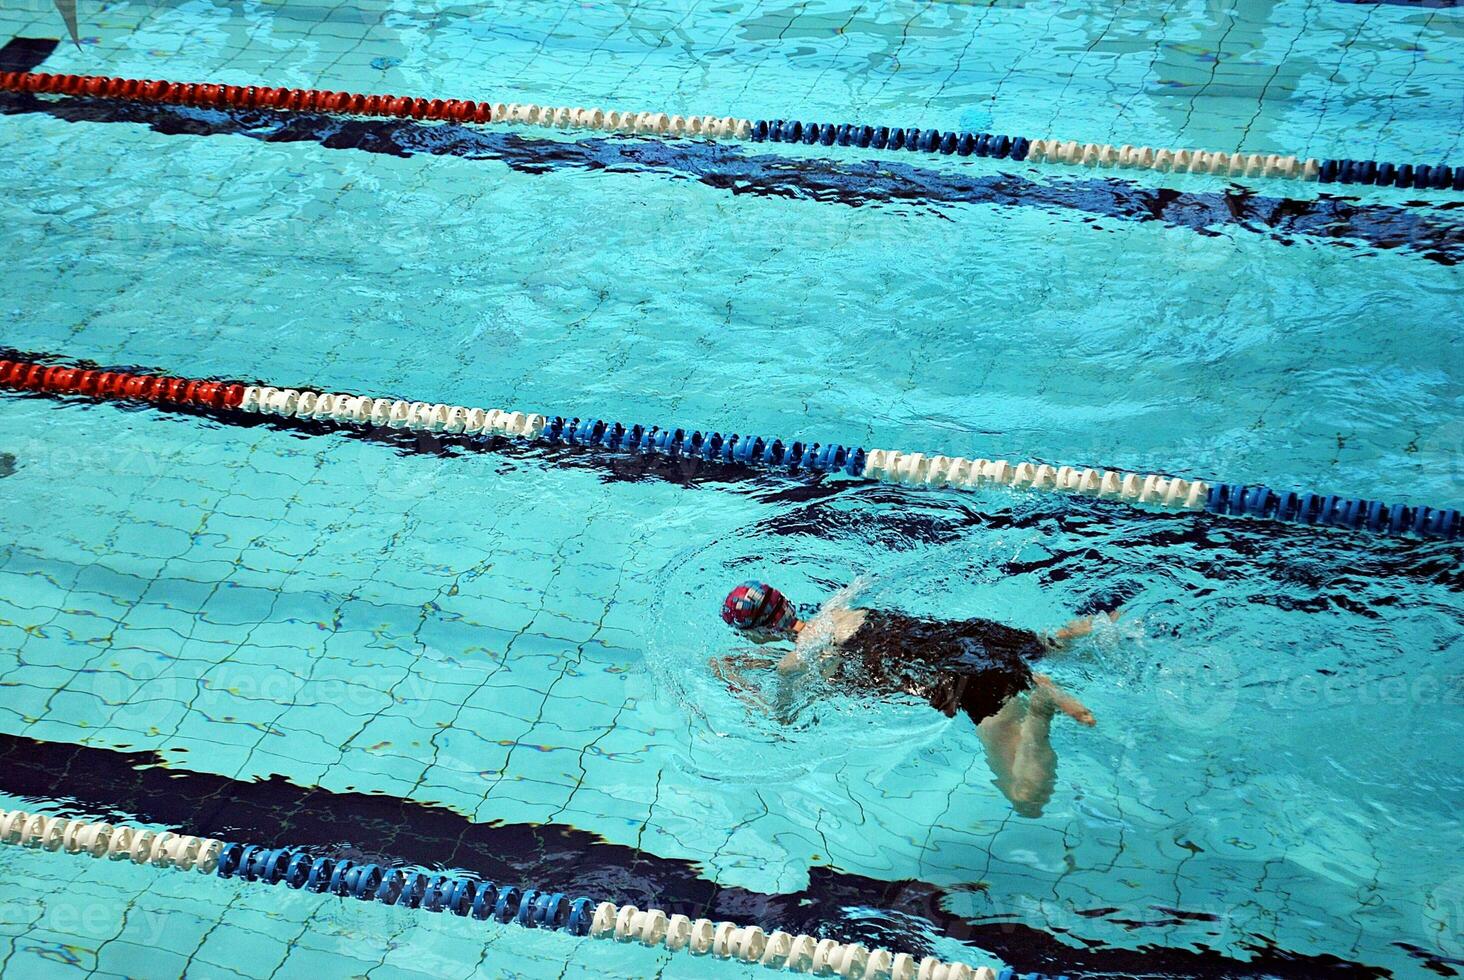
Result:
[[1034, 767], [1019, 750], [1000, 735]]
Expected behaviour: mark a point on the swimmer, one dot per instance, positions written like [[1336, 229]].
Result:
[[975, 665]]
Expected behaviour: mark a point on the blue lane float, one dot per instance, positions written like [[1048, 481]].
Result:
[[913, 139], [661, 124], [456, 895], [469, 897], [534, 908], [1234, 500], [1231, 500], [1419, 176], [1357, 513], [749, 450], [758, 451]]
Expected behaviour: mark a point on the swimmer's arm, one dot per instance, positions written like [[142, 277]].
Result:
[[1061, 637], [794, 660], [740, 688], [1063, 701], [785, 700], [1081, 626], [726, 670]]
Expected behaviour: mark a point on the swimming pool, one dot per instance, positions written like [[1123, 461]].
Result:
[[497, 661]]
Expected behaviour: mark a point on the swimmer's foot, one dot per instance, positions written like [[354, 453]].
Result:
[[1048, 696]]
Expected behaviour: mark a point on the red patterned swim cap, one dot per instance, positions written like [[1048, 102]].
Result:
[[758, 606]]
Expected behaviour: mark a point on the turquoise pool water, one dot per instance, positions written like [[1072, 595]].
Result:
[[521, 640]]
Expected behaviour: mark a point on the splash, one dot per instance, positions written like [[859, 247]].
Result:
[[817, 637]]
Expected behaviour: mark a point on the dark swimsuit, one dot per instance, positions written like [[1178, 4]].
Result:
[[974, 665]]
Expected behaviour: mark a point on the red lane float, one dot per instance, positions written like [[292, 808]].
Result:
[[158, 389], [209, 95]]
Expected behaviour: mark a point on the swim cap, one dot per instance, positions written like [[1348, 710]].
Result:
[[758, 606]]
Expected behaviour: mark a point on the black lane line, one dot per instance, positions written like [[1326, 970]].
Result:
[[893, 516], [122, 787], [1425, 228], [26, 53]]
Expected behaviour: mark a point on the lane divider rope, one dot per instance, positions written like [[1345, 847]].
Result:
[[893, 466], [481, 900], [914, 138]]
